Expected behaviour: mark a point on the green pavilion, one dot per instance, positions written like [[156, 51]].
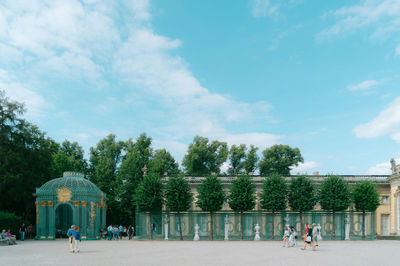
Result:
[[70, 200]]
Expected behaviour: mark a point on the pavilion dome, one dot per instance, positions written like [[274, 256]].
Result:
[[75, 181]]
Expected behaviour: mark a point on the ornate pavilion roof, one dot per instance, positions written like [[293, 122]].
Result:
[[74, 181]]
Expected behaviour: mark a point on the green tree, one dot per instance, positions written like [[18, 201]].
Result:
[[163, 162], [302, 196], [130, 174], [211, 197], [334, 196], [242, 197], [366, 199], [204, 158], [25, 159], [149, 197], [250, 163], [278, 159], [178, 197], [104, 161], [274, 196], [69, 157], [237, 156]]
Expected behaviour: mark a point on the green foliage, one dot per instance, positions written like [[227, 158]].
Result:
[[10, 221], [242, 194], [365, 197], [204, 158], [274, 194], [334, 194], [178, 194], [278, 159], [250, 163], [211, 194], [69, 157], [149, 194], [162, 162], [302, 196], [25, 159], [104, 160], [237, 155]]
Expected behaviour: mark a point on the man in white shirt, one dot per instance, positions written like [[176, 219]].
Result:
[[110, 231]]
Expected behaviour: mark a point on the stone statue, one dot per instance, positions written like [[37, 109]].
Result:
[[257, 237], [166, 221], [395, 167], [196, 233], [226, 227], [287, 220], [347, 227]]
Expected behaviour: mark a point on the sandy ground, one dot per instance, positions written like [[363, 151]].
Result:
[[175, 253]]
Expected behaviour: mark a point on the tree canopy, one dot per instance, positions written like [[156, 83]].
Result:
[[334, 194], [250, 163], [279, 159], [204, 157], [237, 156]]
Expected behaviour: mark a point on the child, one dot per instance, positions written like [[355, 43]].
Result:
[[77, 239], [286, 237]]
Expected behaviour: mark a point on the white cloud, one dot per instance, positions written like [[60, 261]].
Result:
[[380, 17], [381, 168], [387, 122], [263, 8], [362, 86], [17, 91], [305, 167]]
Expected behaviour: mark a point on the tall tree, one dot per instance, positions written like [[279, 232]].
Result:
[[250, 163], [204, 158], [25, 159], [149, 197], [334, 196], [69, 157], [104, 161], [302, 196], [278, 159], [178, 196], [130, 173], [366, 199], [242, 197], [162, 162], [211, 197], [274, 196], [237, 156]]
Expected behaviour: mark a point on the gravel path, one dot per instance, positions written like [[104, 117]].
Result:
[[176, 253]]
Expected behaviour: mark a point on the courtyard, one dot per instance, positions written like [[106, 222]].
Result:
[[124, 252]]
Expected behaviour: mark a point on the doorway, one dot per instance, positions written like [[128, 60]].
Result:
[[385, 224], [63, 220]]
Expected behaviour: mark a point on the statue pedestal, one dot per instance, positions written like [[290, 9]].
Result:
[[257, 237], [196, 233]]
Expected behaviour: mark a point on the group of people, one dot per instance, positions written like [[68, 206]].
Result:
[[74, 238], [312, 235], [7, 236], [119, 232]]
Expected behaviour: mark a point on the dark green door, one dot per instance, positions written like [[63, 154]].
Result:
[[63, 220]]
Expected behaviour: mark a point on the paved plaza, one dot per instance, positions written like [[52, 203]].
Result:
[[175, 253]]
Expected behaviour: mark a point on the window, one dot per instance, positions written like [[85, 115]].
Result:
[[385, 199]]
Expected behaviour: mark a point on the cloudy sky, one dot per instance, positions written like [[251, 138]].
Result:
[[319, 75]]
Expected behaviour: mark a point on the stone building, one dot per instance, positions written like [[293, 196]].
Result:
[[69, 200]]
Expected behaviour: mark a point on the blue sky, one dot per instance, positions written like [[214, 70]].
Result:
[[319, 75]]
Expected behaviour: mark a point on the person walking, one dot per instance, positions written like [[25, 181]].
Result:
[[110, 232], [71, 238], [130, 232], [293, 236], [120, 231], [286, 237], [77, 239], [315, 235], [30, 231], [115, 230], [308, 238], [22, 231]]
